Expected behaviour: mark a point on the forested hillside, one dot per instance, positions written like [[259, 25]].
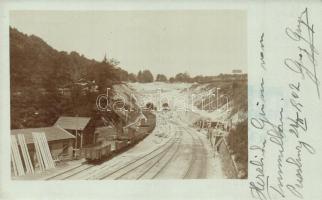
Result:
[[39, 74]]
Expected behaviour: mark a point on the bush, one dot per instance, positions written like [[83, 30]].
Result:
[[238, 142]]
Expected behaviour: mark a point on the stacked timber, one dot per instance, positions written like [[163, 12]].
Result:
[[25, 154], [43, 154], [16, 158]]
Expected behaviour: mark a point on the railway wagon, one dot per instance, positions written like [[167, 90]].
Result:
[[133, 135], [138, 136], [129, 137], [96, 153], [144, 129], [129, 134], [120, 145]]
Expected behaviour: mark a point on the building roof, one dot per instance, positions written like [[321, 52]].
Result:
[[53, 133], [72, 123]]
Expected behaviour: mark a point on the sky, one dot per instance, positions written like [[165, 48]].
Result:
[[206, 42]]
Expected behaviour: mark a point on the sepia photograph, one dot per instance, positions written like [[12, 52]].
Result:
[[128, 94]]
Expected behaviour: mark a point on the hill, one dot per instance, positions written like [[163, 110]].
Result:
[[39, 74]]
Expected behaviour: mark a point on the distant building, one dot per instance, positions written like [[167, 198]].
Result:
[[59, 140], [42, 91], [237, 71], [84, 86], [65, 91], [93, 88]]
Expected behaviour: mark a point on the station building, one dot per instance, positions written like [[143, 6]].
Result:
[[80, 127]]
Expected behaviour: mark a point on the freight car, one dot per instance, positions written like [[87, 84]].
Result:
[[130, 136], [141, 130], [96, 153], [121, 145]]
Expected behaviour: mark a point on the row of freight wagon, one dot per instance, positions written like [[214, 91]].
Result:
[[97, 153]]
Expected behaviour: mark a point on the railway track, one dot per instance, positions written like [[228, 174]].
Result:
[[70, 172], [193, 157], [75, 172], [154, 170], [156, 174], [198, 162], [145, 167], [135, 164]]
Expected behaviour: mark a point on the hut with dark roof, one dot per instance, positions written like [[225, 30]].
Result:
[[79, 127]]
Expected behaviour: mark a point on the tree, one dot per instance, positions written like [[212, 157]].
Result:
[[171, 80], [148, 77], [114, 62], [38, 72], [132, 77], [122, 75], [104, 75], [139, 77], [183, 77], [161, 78], [145, 76], [198, 78]]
